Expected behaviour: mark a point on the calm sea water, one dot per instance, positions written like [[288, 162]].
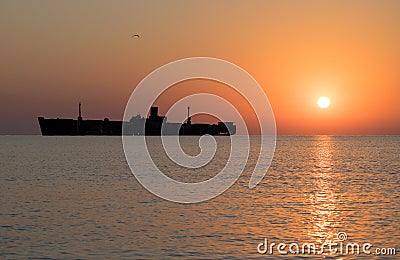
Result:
[[75, 197]]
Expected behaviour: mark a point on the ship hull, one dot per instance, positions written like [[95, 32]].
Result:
[[73, 127]]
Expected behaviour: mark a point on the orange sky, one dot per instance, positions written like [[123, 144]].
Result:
[[57, 53]]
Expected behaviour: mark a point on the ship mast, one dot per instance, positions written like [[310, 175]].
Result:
[[80, 114], [188, 116]]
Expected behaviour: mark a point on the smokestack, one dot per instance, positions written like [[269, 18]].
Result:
[[153, 112]]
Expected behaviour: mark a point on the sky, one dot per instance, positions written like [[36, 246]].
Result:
[[55, 54]]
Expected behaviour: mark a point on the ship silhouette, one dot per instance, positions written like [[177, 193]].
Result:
[[153, 125]]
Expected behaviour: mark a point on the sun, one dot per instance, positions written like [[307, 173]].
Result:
[[324, 102]]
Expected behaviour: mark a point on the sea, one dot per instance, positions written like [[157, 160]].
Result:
[[76, 198]]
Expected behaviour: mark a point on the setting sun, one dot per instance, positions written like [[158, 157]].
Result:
[[324, 102]]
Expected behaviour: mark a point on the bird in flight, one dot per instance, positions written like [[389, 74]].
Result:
[[136, 35]]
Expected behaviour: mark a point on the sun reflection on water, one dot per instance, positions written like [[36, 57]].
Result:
[[325, 213]]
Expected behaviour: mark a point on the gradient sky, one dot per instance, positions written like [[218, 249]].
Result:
[[57, 53]]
